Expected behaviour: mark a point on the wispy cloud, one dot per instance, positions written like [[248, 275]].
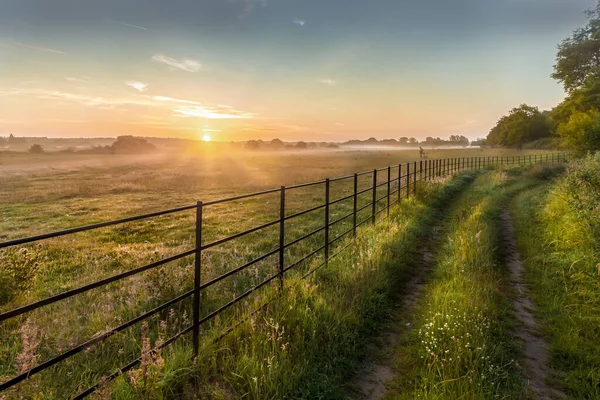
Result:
[[86, 100], [45, 49], [185, 64], [139, 86], [197, 109], [131, 25], [328, 81], [340, 124], [299, 21], [74, 79]]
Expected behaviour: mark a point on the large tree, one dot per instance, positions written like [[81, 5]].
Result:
[[578, 58], [522, 124]]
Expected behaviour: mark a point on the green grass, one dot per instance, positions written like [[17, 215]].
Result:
[[38, 200], [460, 345], [312, 338], [558, 236]]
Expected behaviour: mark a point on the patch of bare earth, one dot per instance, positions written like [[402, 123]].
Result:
[[534, 348], [370, 382]]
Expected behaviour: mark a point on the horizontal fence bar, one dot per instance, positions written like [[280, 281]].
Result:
[[305, 212], [235, 300], [132, 364], [341, 219], [302, 185], [240, 197], [83, 289], [340, 178], [341, 199], [365, 206], [100, 338], [364, 191], [335, 239], [301, 238], [239, 235], [69, 231], [238, 269], [300, 261]]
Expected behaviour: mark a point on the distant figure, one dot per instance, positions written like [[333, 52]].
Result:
[[421, 152], [519, 147]]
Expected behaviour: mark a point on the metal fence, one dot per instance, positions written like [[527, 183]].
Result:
[[388, 187]]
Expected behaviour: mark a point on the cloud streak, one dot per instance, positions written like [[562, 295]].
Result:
[[185, 64], [200, 110], [328, 81], [139, 86], [131, 25], [45, 49]]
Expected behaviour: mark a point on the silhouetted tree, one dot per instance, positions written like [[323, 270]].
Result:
[[36, 149], [252, 145], [276, 144], [132, 144], [301, 145]]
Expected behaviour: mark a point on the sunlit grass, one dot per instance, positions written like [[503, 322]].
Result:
[[557, 233]]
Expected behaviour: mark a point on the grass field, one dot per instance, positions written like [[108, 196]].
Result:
[[48, 192], [558, 232]]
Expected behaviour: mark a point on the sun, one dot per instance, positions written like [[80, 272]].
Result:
[[206, 138]]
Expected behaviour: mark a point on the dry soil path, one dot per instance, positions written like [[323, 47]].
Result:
[[534, 347]]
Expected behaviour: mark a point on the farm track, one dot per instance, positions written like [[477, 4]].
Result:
[[370, 382], [534, 347]]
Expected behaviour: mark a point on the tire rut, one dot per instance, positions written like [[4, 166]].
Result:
[[371, 381], [534, 348]]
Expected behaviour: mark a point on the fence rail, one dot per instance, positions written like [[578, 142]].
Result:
[[403, 177]]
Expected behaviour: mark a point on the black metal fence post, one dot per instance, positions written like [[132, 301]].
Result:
[[326, 221], [407, 180], [374, 205], [421, 170], [281, 237], [415, 180], [197, 270], [355, 204], [399, 182], [388, 189]]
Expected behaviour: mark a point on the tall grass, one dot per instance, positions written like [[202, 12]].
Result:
[[304, 342], [558, 232], [461, 345]]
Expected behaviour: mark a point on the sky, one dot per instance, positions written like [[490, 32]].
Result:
[[318, 70]]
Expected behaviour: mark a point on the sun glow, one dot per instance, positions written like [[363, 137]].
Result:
[[206, 138]]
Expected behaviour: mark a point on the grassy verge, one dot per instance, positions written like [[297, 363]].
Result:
[[461, 345], [559, 239], [313, 337]]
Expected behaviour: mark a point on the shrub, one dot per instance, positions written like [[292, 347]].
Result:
[[582, 132], [36, 149], [18, 272], [579, 188]]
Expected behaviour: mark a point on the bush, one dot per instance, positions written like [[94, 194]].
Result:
[[18, 272], [582, 132], [132, 144], [579, 188], [36, 149]]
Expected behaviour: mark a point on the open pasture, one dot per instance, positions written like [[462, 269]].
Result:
[[53, 192]]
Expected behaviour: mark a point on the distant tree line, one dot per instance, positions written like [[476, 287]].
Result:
[[576, 121], [277, 144], [122, 145]]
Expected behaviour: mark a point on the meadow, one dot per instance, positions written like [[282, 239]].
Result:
[[47, 192]]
